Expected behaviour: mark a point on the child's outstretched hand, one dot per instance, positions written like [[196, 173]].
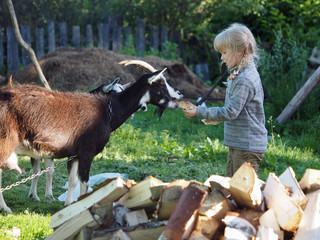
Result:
[[189, 110]]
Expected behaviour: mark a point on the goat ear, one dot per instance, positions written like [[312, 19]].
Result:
[[155, 76], [107, 88], [126, 85]]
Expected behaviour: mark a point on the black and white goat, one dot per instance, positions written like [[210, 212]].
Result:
[[112, 87], [47, 124]]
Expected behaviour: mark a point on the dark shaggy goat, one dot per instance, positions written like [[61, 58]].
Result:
[[47, 124]]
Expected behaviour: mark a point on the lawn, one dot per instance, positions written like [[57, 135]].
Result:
[[171, 148]]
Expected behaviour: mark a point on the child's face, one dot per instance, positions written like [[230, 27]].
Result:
[[230, 58]]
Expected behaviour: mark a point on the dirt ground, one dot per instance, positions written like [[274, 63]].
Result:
[[70, 69]]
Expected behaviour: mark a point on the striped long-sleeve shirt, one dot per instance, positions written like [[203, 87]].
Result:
[[243, 113]]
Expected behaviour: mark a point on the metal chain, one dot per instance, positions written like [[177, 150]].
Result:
[[36, 174]]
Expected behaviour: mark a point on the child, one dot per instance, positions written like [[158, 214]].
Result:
[[244, 128]]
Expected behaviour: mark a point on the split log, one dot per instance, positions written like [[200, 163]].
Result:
[[266, 233], [115, 235], [288, 179], [119, 212], [84, 234], [136, 217], [269, 219], [108, 193], [207, 226], [169, 198], [252, 215], [197, 235], [237, 227], [245, 187], [309, 227], [139, 196], [105, 213], [143, 231], [184, 214], [157, 190], [288, 213], [71, 228], [310, 180]]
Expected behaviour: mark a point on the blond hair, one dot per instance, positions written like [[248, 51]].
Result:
[[237, 37]]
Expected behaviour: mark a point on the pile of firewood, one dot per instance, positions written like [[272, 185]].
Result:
[[241, 207]]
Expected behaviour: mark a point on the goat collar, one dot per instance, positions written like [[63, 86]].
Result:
[[110, 112]]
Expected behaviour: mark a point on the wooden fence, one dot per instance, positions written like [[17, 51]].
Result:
[[111, 36]]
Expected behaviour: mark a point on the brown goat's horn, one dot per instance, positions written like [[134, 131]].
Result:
[[142, 64]]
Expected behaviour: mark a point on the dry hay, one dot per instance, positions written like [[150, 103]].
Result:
[[69, 69]]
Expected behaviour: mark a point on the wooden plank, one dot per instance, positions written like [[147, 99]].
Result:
[[300, 96], [139, 196], [110, 192], [310, 180], [288, 213], [287, 178], [71, 228], [245, 187], [309, 227]]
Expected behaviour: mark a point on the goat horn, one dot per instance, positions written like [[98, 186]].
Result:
[[142, 64], [156, 77]]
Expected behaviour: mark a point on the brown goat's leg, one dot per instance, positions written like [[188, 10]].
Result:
[[3, 205], [35, 169]]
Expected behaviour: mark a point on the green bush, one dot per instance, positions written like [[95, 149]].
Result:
[[283, 72]]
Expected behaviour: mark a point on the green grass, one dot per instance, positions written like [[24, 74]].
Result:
[[173, 148]]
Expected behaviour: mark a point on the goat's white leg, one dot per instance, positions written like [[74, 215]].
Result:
[[3, 205], [73, 179], [84, 186], [49, 177], [33, 189]]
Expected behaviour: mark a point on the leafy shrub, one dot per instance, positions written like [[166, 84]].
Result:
[[283, 71]]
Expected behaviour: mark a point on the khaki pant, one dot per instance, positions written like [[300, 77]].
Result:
[[237, 157]]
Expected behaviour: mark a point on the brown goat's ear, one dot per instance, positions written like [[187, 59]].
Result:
[[156, 75]]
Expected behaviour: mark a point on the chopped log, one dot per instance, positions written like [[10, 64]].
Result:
[[300, 96], [115, 235], [288, 213], [237, 227], [310, 180], [269, 219], [184, 214], [287, 178], [197, 235], [71, 228], [143, 231], [207, 226], [252, 215], [108, 193], [215, 206], [136, 217], [223, 181], [169, 198], [139, 196], [119, 212], [84, 234], [245, 187], [266, 233], [105, 213], [156, 191], [309, 227]]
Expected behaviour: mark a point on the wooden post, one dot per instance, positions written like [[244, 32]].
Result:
[[25, 34], [300, 96], [89, 36], [154, 38], [163, 34], [12, 51], [1, 49], [116, 33], [127, 32], [140, 40], [51, 37], [76, 38], [39, 42], [63, 40], [104, 36]]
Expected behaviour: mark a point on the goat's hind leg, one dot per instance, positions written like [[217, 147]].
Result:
[[72, 180], [35, 169], [49, 176]]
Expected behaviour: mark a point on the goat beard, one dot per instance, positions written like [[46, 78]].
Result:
[[159, 111]]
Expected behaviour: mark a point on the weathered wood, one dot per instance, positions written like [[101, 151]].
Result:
[[245, 187], [154, 37], [12, 51], [310, 180], [76, 37], [51, 36], [140, 38], [39, 35], [116, 235], [300, 96], [1, 50], [184, 213], [288, 213], [287, 178], [84, 234], [139, 196], [71, 228], [63, 34], [127, 34], [119, 212], [169, 198], [157, 190], [309, 227], [163, 35], [26, 36], [197, 235], [136, 217], [89, 36], [109, 193], [104, 35], [105, 213]]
